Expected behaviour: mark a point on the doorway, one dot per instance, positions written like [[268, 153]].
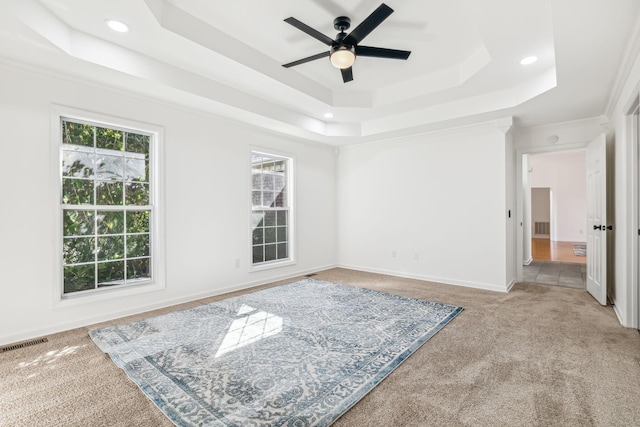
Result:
[[555, 218]]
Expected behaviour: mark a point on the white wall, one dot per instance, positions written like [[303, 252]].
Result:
[[207, 203], [564, 172], [438, 200]]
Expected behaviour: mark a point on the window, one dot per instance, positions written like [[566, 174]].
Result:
[[271, 208], [107, 206]]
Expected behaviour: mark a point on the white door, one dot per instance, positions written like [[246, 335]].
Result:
[[597, 219]]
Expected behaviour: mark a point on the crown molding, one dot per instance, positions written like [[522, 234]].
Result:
[[631, 53]]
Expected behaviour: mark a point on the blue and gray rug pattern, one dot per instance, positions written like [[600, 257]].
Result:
[[294, 355]]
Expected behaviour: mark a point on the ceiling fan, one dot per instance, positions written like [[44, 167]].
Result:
[[345, 48]]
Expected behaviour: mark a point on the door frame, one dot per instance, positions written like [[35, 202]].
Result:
[[520, 195], [632, 130]]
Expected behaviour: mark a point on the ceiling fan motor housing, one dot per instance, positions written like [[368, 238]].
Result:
[[342, 23]]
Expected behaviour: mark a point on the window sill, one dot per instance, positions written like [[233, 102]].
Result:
[[65, 301], [270, 265]]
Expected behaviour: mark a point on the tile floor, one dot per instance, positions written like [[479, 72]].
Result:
[[566, 274]]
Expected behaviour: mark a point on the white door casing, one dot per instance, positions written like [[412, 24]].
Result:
[[597, 219]]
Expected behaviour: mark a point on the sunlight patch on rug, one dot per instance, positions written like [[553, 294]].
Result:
[[300, 354], [252, 326]]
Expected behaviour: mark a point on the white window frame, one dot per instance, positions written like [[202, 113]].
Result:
[[156, 190], [291, 200]]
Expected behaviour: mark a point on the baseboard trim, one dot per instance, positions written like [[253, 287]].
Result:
[[442, 280], [87, 322], [529, 261]]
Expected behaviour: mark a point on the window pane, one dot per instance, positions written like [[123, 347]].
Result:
[[136, 170], [280, 182], [282, 234], [280, 166], [256, 199], [110, 139], [281, 201], [79, 278], [109, 193], [257, 219], [269, 253], [258, 236], [137, 246], [137, 194], [270, 235], [77, 250], [268, 199], [282, 251], [282, 217], [110, 222], [256, 180], [77, 134], [138, 269], [77, 164], [77, 223], [136, 143], [258, 255], [269, 219], [110, 273], [77, 191], [138, 222], [110, 168], [268, 182], [110, 248]]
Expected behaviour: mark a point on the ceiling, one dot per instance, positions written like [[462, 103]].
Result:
[[225, 57]]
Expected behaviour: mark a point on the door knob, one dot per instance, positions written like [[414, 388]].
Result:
[[597, 227]]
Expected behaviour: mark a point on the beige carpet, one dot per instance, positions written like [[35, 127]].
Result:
[[539, 355]]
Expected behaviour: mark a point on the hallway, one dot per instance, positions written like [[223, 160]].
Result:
[[549, 250]]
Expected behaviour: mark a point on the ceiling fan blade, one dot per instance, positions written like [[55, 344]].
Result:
[[310, 31], [369, 24], [347, 74], [380, 52], [307, 59]]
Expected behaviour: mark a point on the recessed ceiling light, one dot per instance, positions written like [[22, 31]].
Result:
[[328, 115], [118, 26], [529, 60]]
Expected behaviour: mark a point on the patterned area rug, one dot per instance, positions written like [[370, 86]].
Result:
[[580, 250], [300, 354]]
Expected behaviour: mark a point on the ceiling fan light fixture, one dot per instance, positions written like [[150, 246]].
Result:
[[342, 57]]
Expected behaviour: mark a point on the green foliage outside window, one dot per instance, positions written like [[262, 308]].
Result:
[[106, 211]]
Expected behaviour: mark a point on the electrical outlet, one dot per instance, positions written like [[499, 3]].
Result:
[[416, 256], [394, 254], [237, 263]]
